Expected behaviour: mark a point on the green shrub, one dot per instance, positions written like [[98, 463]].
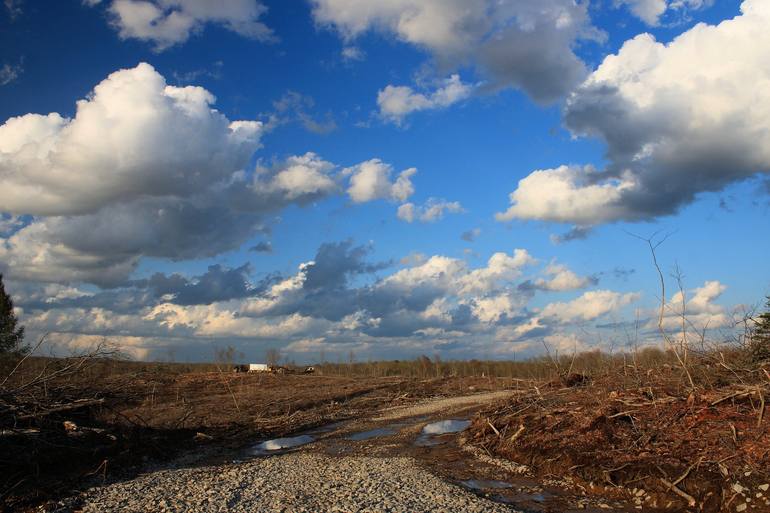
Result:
[[11, 334], [760, 341]]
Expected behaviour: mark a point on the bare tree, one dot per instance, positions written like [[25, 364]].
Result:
[[272, 356], [227, 355], [654, 242]]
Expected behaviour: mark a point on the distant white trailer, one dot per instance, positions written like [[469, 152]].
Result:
[[259, 367]]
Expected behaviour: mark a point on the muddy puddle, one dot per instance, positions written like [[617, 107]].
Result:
[[286, 444], [434, 433], [281, 444], [482, 484], [443, 427]]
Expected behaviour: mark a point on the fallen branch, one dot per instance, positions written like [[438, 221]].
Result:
[[65, 407], [517, 433], [674, 488], [493, 428], [686, 472], [731, 396]]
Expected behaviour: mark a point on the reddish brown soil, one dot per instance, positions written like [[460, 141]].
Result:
[[620, 439]]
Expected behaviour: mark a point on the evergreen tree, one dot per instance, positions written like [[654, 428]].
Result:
[[11, 335], [760, 346]]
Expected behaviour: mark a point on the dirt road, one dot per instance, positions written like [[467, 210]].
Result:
[[448, 405], [400, 460]]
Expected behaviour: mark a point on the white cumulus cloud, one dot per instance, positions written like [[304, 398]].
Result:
[[561, 278], [679, 119], [396, 102], [589, 306], [651, 11], [522, 44], [134, 136], [371, 180], [143, 169], [567, 194], [166, 23]]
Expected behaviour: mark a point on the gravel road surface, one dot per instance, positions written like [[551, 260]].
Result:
[[296, 482], [303, 481]]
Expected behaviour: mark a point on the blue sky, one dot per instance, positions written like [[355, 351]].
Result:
[[132, 215]]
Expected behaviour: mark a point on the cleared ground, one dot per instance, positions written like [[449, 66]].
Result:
[[623, 438]]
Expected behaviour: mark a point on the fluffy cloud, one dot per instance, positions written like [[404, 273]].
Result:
[[678, 119], [166, 23], [434, 292], [492, 309], [336, 298], [396, 102], [438, 270], [219, 321], [588, 307], [703, 298], [700, 311], [370, 181], [35, 253], [501, 268], [433, 210], [567, 195], [648, 11], [299, 178], [217, 284], [651, 11], [105, 247], [561, 278], [134, 136], [513, 44], [145, 169]]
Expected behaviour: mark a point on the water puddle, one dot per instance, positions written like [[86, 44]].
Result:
[[446, 426], [282, 444], [480, 484], [430, 435]]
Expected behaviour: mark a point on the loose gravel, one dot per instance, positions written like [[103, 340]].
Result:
[[296, 482], [438, 405]]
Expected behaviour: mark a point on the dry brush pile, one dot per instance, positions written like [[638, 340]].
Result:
[[50, 425], [645, 434]]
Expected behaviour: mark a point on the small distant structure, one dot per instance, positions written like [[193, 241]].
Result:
[[259, 367], [272, 369]]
